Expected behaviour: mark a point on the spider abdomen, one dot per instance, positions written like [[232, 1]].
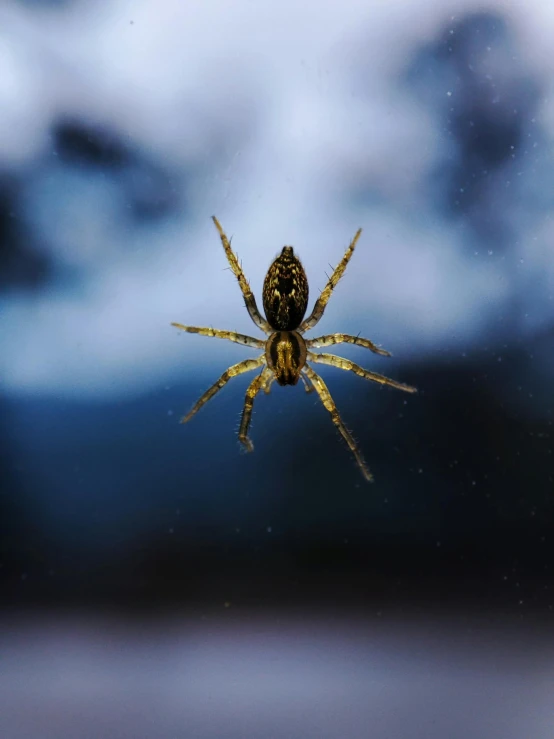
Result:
[[285, 292], [286, 353]]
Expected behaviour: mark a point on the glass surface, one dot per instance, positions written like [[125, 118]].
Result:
[[155, 580]]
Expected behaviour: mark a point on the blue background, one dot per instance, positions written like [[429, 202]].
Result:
[[124, 127]]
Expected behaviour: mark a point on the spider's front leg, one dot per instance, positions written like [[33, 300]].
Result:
[[262, 380]]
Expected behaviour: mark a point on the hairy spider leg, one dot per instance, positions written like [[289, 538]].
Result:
[[230, 335], [334, 361], [246, 417], [248, 295], [329, 403], [269, 383], [331, 339], [323, 299], [237, 369]]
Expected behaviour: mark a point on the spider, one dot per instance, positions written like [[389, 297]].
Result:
[[285, 353]]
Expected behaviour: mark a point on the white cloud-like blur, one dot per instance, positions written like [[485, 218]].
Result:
[[300, 103]]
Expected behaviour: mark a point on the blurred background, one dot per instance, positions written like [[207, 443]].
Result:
[[155, 581]]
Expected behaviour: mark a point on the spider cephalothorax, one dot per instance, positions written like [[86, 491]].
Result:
[[286, 353]]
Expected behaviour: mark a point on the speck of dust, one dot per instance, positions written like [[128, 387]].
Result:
[[269, 529]]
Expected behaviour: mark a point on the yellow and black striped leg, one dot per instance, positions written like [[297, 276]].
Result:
[[329, 403], [237, 369], [248, 295], [331, 339], [253, 389], [219, 334], [323, 299], [334, 361], [269, 383]]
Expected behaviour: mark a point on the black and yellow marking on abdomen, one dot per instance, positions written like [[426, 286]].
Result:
[[285, 292]]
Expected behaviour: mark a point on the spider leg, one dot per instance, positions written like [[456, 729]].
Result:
[[230, 335], [334, 361], [329, 403], [331, 339], [323, 299], [307, 382], [248, 295], [269, 383], [237, 369], [253, 389]]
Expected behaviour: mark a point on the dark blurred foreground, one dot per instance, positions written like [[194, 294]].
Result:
[[190, 591], [119, 504], [294, 674]]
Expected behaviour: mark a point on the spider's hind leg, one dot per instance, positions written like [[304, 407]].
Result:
[[329, 403], [264, 379], [333, 360], [237, 369], [269, 383]]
